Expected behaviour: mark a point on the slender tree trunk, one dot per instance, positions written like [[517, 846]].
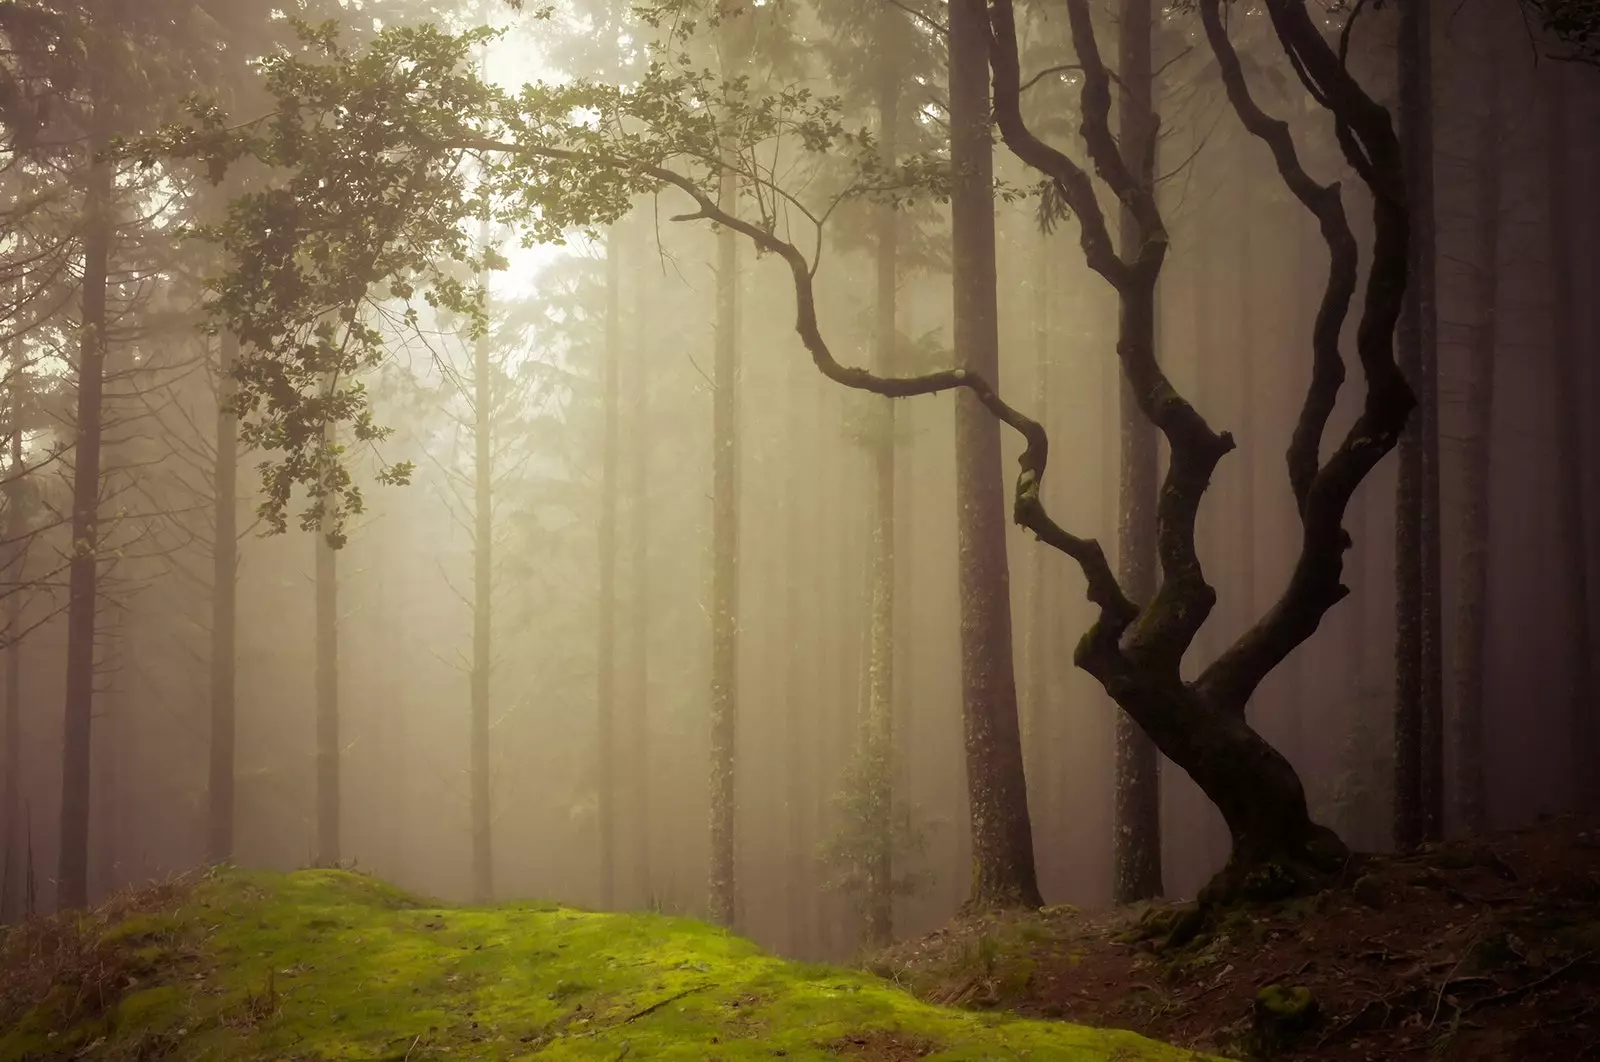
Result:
[[1137, 840], [1571, 411], [1244, 387], [1419, 713], [877, 739], [224, 609], [725, 569], [800, 707], [329, 806], [1002, 835], [1472, 609], [481, 770], [1042, 635], [12, 856], [72, 874], [606, 663], [638, 663]]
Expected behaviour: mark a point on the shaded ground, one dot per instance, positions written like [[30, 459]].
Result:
[[318, 965], [1477, 952]]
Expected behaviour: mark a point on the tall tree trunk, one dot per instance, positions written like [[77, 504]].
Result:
[[800, 758], [1472, 609], [638, 663], [482, 774], [1571, 412], [1136, 847], [877, 738], [1419, 711], [72, 874], [329, 804], [1041, 645], [606, 662], [12, 855], [1244, 387], [224, 610], [725, 569], [1002, 835]]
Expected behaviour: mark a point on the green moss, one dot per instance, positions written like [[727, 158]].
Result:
[[1283, 1001], [330, 965]]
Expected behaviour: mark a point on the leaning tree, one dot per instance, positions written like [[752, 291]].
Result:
[[375, 193]]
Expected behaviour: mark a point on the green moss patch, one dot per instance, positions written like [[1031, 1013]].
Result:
[[324, 965]]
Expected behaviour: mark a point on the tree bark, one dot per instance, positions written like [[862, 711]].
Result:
[[1419, 711], [1571, 411], [224, 610], [72, 874], [605, 660], [1472, 609], [329, 801], [1002, 837], [1137, 848]]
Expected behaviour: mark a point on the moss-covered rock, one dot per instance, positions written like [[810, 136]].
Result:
[[1282, 1014], [331, 965]]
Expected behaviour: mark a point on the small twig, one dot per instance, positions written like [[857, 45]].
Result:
[[412, 1048], [1522, 990], [658, 1004]]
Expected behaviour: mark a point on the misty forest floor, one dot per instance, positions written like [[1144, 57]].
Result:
[[1485, 951], [321, 965]]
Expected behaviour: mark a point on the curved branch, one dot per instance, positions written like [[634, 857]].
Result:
[[1367, 137], [1327, 206], [1183, 601], [1028, 510]]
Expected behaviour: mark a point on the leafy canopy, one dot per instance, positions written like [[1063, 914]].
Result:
[[383, 160]]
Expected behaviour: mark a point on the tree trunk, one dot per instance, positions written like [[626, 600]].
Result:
[[1472, 609], [1136, 871], [224, 610], [1042, 637], [480, 767], [638, 663], [329, 808], [12, 856], [1571, 411], [877, 738], [1002, 836], [1419, 713], [725, 569], [606, 659], [72, 875]]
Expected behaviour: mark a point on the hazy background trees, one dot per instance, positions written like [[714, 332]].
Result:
[[879, 733]]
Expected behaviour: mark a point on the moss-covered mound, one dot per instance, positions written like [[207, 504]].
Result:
[[330, 965]]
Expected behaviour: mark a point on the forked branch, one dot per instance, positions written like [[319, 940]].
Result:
[[1367, 137]]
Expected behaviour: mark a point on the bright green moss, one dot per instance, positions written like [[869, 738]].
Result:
[[328, 965]]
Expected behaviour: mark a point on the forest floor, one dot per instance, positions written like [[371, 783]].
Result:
[[318, 965], [1484, 951]]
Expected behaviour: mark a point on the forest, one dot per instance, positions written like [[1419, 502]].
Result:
[[1079, 515]]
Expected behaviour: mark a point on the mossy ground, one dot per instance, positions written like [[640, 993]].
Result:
[[332, 965]]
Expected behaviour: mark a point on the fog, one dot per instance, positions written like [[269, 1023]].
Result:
[[600, 687]]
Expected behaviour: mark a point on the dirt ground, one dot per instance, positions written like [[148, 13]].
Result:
[[1483, 951]]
